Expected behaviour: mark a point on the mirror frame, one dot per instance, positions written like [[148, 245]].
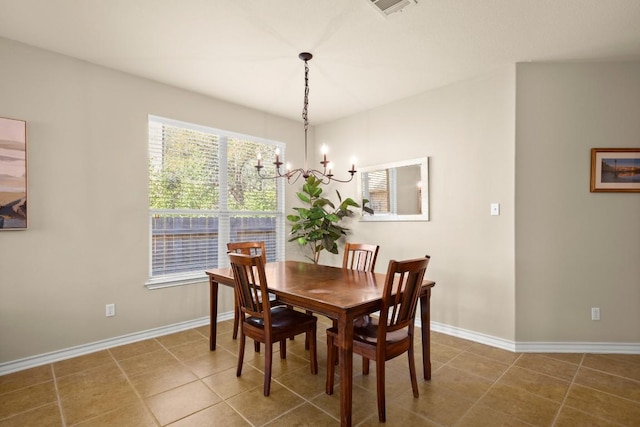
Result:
[[423, 162]]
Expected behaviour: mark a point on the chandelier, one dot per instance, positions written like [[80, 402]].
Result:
[[292, 175]]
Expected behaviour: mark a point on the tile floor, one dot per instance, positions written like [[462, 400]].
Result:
[[175, 380]]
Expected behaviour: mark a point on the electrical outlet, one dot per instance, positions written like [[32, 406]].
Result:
[[110, 310], [595, 313]]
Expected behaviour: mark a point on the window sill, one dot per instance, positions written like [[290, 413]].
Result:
[[175, 280]]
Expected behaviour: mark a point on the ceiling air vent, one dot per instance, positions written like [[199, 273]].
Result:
[[387, 7]]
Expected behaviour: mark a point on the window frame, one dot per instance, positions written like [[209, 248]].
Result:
[[223, 212]]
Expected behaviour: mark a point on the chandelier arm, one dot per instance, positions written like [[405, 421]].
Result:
[[295, 174]]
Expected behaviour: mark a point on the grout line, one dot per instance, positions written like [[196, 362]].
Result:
[[135, 390], [55, 384]]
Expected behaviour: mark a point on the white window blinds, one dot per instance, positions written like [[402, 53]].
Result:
[[204, 192]]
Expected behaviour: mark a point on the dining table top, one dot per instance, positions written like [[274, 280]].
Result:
[[332, 287]]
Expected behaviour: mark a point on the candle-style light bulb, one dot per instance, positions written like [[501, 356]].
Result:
[[259, 159], [277, 155], [353, 165]]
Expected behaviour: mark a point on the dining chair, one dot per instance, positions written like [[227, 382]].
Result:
[[247, 248], [360, 256], [262, 322], [392, 333]]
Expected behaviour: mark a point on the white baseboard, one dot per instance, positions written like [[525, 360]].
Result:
[[55, 356], [538, 347], [523, 347]]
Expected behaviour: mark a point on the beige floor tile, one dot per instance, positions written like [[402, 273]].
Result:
[[203, 362], [146, 363], [364, 404], [135, 349], [27, 398], [304, 383], [226, 384], [182, 401], [397, 416], [306, 415], [479, 365], [613, 365], [135, 414], [26, 378], [93, 392], [575, 358], [537, 383], [521, 405], [450, 341], [570, 417], [260, 409], [464, 383], [161, 379], [603, 405], [47, 415], [498, 354], [438, 404], [613, 384], [443, 353], [179, 338], [81, 363], [213, 416], [547, 365], [481, 416]]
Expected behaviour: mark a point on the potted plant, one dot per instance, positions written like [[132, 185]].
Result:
[[317, 226]]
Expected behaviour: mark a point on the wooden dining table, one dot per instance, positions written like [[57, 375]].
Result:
[[337, 293]]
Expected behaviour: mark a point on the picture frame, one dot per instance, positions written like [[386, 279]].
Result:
[[13, 174], [615, 170]]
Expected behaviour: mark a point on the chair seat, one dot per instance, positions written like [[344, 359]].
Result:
[[369, 333], [282, 318]]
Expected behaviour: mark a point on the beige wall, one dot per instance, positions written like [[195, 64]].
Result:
[[467, 130], [575, 249], [87, 243]]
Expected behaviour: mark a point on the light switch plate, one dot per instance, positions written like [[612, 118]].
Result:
[[495, 209]]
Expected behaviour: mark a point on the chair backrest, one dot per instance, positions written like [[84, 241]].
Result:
[[251, 285], [401, 290], [248, 248], [360, 256]]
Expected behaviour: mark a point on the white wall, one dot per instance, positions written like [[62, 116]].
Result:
[[575, 249], [87, 242], [467, 130]]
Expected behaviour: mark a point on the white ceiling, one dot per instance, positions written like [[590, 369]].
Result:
[[246, 51]]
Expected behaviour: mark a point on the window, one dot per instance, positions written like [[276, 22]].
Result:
[[203, 193]]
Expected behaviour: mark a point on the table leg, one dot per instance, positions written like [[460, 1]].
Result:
[[425, 326], [345, 347], [213, 312]]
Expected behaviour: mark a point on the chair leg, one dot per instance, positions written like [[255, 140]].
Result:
[[313, 352], [236, 317], [256, 346], [283, 349], [240, 355], [365, 366], [330, 365], [412, 371], [380, 374], [268, 356]]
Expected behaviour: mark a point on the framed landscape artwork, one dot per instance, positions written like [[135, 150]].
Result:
[[13, 174], [615, 170]]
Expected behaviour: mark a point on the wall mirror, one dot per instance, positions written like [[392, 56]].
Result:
[[397, 191]]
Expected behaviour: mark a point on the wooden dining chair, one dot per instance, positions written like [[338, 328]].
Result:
[[360, 256], [262, 322], [247, 248], [391, 334]]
